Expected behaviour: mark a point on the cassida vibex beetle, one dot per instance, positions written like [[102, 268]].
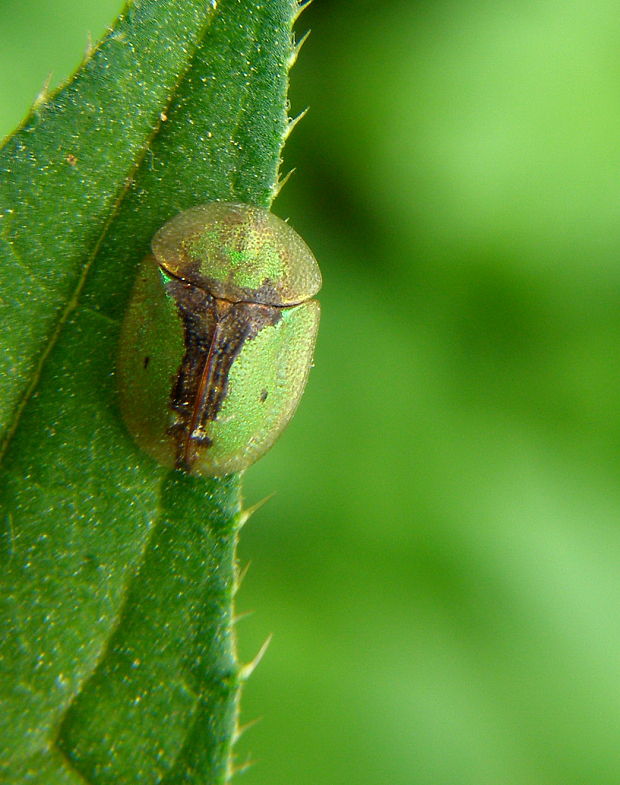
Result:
[[218, 337]]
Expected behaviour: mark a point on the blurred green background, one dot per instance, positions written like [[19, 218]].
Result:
[[440, 565]]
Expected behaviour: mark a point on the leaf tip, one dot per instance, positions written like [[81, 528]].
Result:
[[90, 47], [240, 730], [292, 123], [241, 616], [44, 94], [282, 182], [239, 769], [301, 7], [246, 514], [245, 671], [240, 578], [297, 48]]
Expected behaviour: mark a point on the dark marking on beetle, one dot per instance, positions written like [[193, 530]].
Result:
[[263, 396], [215, 331], [146, 362]]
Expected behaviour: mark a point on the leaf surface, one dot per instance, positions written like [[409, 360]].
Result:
[[117, 653]]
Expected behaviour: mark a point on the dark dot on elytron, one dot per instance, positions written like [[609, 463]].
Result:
[[146, 362], [263, 396]]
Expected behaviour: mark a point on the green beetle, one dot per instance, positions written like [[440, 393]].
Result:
[[218, 338]]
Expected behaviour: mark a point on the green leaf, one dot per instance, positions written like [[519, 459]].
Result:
[[117, 657]]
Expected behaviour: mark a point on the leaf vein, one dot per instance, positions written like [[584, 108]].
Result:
[[70, 766], [21, 262]]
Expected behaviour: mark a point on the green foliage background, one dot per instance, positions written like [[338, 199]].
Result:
[[440, 565]]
